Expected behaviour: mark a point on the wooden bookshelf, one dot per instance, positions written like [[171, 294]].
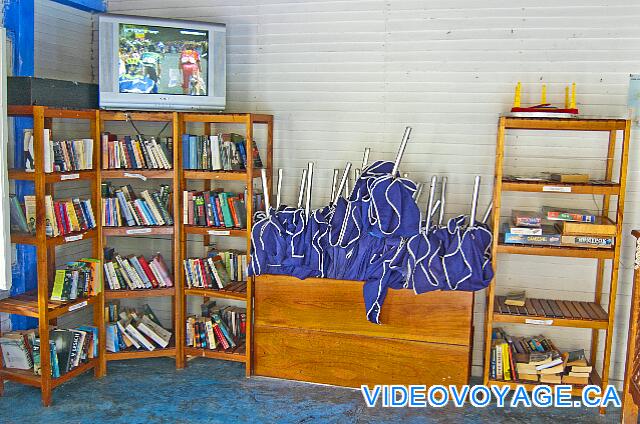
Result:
[[37, 304], [553, 312], [248, 121], [125, 176]]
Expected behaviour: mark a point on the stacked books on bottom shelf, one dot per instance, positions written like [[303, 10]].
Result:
[[77, 279], [135, 272], [218, 327], [559, 227], [70, 348], [123, 208], [535, 359], [134, 330]]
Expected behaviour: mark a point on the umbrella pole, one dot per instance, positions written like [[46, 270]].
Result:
[[303, 183], [443, 202], [342, 181], [358, 173], [307, 208], [487, 213], [435, 207], [279, 189], [403, 146], [418, 193], [365, 158], [265, 190], [346, 186], [474, 201], [432, 191], [334, 185]]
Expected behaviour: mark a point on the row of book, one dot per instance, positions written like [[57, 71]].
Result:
[[536, 359], [121, 207], [130, 329], [214, 209], [59, 156], [78, 279], [555, 227], [136, 152], [135, 272], [62, 217], [69, 348], [218, 327], [225, 152], [215, 271]]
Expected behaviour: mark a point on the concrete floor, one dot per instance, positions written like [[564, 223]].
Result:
[[209, 391]]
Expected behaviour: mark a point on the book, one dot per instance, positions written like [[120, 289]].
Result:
[[15, 353], [602, 226], [557, 214], [18, 220], [576, 357], [569, 177], [569, 379], [522, 218], [515, 298], [550, 378], [541, 240], [589, 241], [528, 231]]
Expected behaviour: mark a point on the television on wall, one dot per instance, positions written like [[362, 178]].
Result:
[[161, 64]]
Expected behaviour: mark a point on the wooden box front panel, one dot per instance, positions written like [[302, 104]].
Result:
[[350, 360], [338, 306]]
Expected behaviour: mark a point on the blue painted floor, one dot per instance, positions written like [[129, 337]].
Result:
[[210, 391]]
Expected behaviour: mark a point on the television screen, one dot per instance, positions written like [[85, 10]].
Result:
[[163, 60]]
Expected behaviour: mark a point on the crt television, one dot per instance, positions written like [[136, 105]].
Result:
[[160, 64]]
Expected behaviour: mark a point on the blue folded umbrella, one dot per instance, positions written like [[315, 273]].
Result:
[[268, 246]]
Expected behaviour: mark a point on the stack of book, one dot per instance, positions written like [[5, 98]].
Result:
[[69, 348], [59, 156], [214, 209], [136, 152], [135, 272], [218, 327], [63, 217], [578, 369], [527, 227], [77, 279], [123, 208], [129, 329], [225, 152], [235, 262]]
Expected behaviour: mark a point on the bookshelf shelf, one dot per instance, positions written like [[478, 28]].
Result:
[[610, 189], [236, 291], [215, 231], [130, 294], [237, 354], [233, 291], [219, 175], [590, 315], [560, 251], [161, 175], [139, 174], [37, 303], [137, 231], [530, 385]]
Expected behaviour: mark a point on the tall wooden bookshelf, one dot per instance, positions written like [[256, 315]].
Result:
[[126, 176], [234, 291], [590, 315], [37, 304]]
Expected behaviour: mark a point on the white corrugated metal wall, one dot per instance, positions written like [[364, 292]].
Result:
[[340, 76]]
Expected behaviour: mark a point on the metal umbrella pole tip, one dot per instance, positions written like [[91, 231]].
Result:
[[365, 158], [403, 146], [343, 181], [474, 200], [418, 192], [443, 195], [487, 213], [303, 184], [432, 192], [265, 190], [278, 193], [309, 184], [334, 184]]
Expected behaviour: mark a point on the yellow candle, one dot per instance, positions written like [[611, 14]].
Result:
[[544, 94], [566, 97], [573, 95], [516, 99]]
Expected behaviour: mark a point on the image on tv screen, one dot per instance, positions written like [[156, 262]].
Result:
[[163, 60]]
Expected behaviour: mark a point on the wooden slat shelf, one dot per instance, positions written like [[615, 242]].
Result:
[[236, 290], [53, 177], [22, 238], [27, 305], [137, 231], [112, 115], [560, 251], [82, 368], [166, 174], [51, 112], [530, 385], [558, 313], [227, 118], [565, 124], [21, 376], [237, 354], [576, 188], [129, 294], [219, 175], [133, 353], [215, 231]]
